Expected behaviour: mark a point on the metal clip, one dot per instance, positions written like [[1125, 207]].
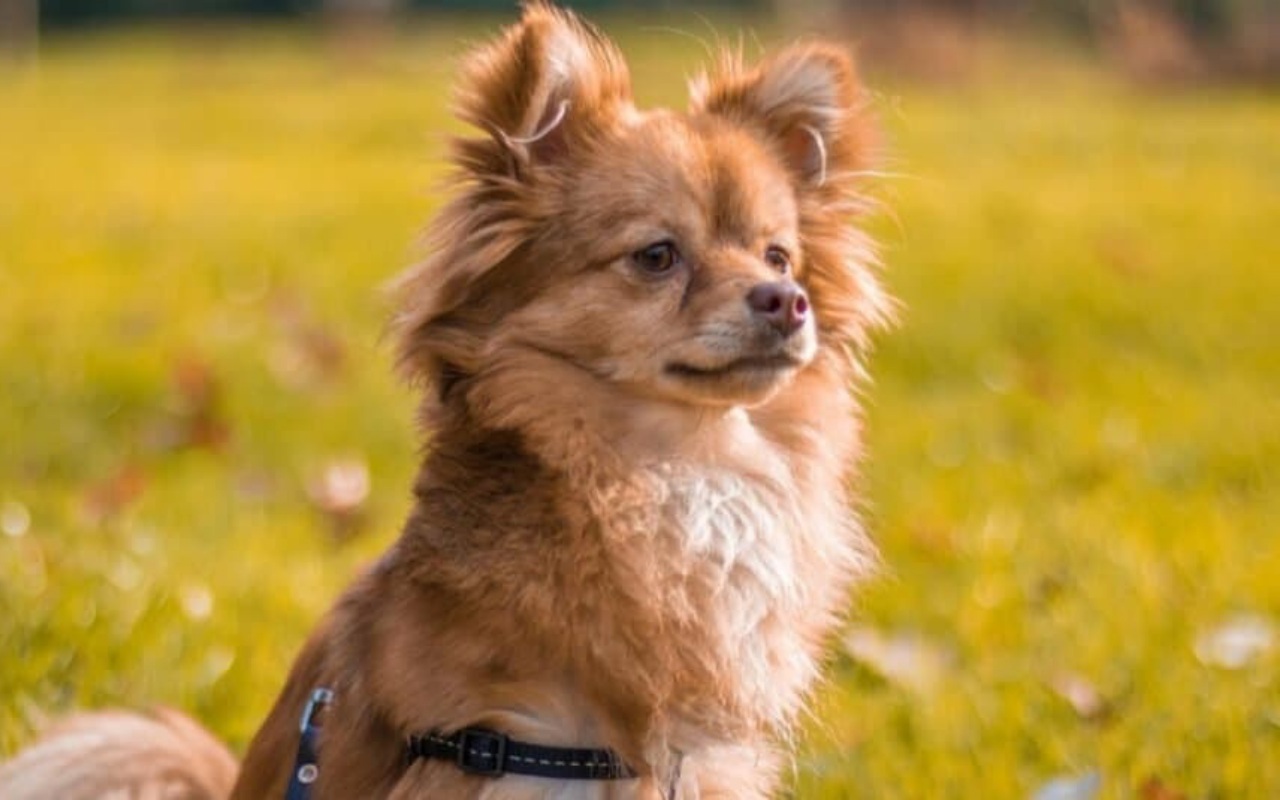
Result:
[[320, 698]]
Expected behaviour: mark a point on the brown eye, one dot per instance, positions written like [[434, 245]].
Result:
[[657, 259], [778, 258]]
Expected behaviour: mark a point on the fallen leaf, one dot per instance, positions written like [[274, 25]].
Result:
[[1080, 694], [193, 414], [903, 657], [1122, 255], [1155, 789], [1039, 378], [339, 490], [932, 537], [306, 353], [1236, 642], [200, 392], [110, 496]]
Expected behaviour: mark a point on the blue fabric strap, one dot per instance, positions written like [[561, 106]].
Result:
[[305, 768]]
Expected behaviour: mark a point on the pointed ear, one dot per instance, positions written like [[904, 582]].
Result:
[[806, 99], [541, 86]]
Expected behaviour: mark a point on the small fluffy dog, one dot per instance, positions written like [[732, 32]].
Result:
[[637, 336]]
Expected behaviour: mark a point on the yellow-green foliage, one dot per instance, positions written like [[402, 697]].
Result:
[[1074, 434]]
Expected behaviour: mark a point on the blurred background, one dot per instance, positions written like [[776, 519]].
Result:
[[1074, 432]]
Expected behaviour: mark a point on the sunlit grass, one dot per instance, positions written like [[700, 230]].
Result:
[[1075, 433]]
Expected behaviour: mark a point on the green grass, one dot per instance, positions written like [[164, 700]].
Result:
[[1074, 435]]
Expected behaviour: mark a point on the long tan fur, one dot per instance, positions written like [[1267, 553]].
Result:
[[633, 526], [113, 754]]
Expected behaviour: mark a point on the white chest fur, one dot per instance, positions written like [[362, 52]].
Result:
[[734, 540]]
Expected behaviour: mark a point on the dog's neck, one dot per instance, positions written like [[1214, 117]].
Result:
[[718, 540]]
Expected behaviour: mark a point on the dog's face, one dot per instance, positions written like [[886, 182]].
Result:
[[672, 266], [698, 258]]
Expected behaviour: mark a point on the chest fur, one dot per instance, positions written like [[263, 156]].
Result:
[[729, 587]]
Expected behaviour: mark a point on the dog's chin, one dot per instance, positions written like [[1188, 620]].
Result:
[[744, 381]]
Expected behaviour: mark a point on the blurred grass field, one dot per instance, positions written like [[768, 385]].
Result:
[[1074, 434]]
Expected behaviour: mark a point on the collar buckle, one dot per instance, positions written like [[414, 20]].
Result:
[[482, 752]]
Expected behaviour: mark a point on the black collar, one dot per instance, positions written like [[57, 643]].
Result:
[[475, 750], [484, 752]]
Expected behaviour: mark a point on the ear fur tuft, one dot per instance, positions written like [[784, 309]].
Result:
[[806, 98], [544, 82]]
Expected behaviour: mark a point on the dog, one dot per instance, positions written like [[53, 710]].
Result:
[[637, 338]]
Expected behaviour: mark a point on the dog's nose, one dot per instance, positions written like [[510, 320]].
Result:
[[783, 304]]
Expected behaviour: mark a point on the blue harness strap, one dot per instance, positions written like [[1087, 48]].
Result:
[[305, 768]]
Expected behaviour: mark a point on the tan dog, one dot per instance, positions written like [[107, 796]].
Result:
[[637, 337]]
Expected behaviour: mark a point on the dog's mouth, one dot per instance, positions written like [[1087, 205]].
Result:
[[749, 366]]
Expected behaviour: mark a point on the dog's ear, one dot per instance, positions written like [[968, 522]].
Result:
[[806, 99], [541, 86], [545, 87]]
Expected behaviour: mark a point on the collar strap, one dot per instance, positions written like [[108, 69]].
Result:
[[305, 769], [483, 752]]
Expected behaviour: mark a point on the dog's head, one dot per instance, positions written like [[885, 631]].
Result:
[[699, 259]]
